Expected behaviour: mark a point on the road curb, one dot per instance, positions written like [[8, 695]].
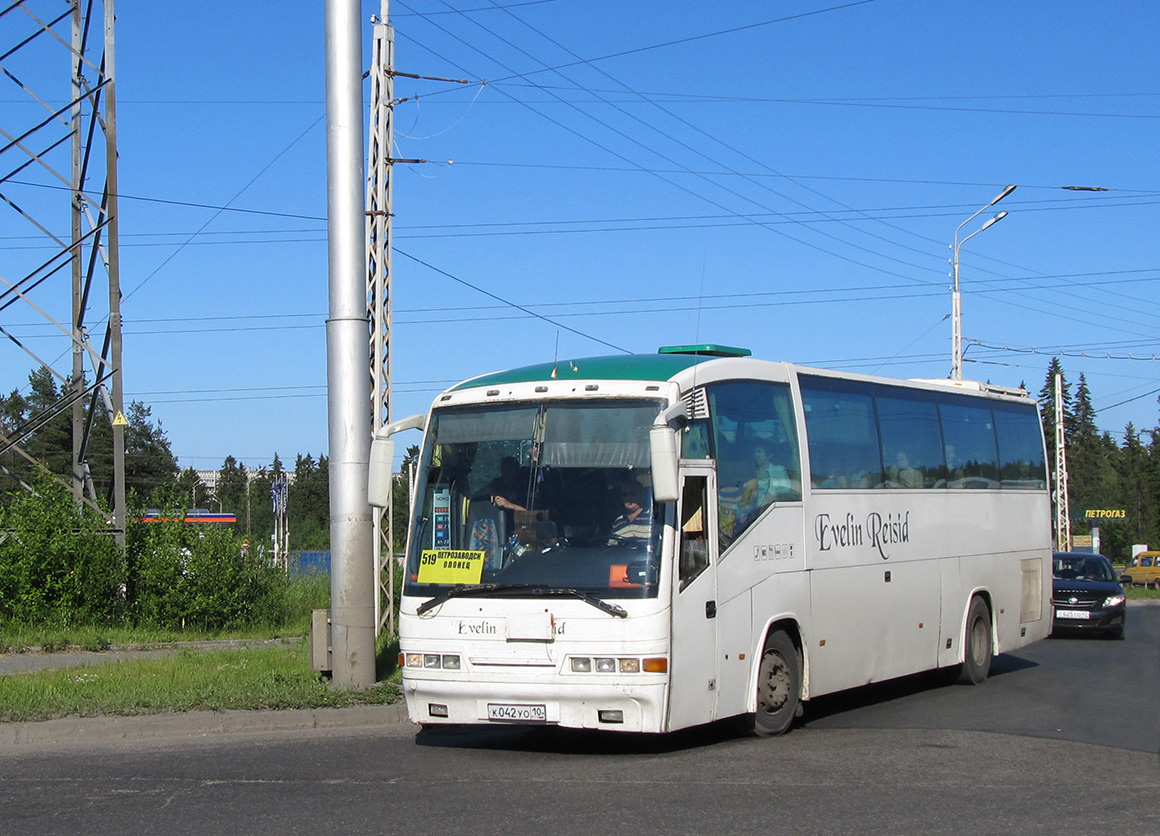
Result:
[[189, 724]]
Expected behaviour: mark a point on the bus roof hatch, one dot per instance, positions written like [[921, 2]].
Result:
[[708, 350]]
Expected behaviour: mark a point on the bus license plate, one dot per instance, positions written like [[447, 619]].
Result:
[[517, 713], [1083, 614]]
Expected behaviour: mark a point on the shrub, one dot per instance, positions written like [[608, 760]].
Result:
[[59, 565], [182, 575]]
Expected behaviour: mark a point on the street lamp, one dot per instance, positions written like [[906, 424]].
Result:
[[956, 301]]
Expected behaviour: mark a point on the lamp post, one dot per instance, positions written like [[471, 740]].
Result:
[[956, 300]]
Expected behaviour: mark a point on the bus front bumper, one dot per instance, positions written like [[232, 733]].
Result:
[[640, 707]]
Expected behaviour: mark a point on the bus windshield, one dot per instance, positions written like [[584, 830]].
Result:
[[533, 499]]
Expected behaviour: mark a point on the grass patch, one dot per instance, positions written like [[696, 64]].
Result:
[[303, 594], [49, 639], [1140, 593], [251, 679]]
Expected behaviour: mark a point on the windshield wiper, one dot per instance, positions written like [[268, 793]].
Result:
[[463, 589], [487, 588], [586, 597]]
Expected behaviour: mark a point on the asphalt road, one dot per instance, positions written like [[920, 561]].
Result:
[[1063, 739]]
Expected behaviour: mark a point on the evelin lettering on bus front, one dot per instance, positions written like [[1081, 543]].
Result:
[[877, 531], [487, 628]]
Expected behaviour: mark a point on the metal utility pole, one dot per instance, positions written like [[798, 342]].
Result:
[[1062, 510], [352, 627], [280, 494], [956, 299], [44, 147], [378, 242]]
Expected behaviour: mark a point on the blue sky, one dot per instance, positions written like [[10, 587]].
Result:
[[784, 176]]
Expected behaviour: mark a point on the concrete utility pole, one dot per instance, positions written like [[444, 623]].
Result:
[[352, 588], [117, 387]]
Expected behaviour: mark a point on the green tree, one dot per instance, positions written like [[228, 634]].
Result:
[[259, 520], [149, 461], [1091, 476], [39, 423], [231, 487], [309, 503], [191, 489], [1132, 468]]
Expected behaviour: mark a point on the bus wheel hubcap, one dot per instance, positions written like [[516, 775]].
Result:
[[775, 684]]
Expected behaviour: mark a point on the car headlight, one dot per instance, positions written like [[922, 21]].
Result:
[[1113, 601]]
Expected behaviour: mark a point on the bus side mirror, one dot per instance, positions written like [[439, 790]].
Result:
[[380, 468], [379, 476], [662, 442], [663, 454]]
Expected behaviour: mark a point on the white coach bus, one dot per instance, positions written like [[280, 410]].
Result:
[[650, 542]]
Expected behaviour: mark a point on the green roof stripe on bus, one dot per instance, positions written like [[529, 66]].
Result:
[[623, 367]]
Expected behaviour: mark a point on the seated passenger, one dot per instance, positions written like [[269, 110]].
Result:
[[905, 476], [770, 483]]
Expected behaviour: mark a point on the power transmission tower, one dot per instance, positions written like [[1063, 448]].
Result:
[[378, 246], [53, 146], [1062, 507]]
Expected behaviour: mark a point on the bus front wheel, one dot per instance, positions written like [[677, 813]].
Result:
[[779, 681], [977, 644]]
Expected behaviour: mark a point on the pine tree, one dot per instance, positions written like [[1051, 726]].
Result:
[[1047, 407], [1132, 470], [310, 503], [231, 487], [191, 491], [1091, 478]]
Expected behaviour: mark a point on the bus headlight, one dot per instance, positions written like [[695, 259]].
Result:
[[432, 661], [649, 664]]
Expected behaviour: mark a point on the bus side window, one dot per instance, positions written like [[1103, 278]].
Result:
[[748, 415], [912, 448], [972, 457], [843, 434], [695, 441], [694, 538]]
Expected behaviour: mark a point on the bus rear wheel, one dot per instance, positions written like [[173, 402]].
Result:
[[977, 644], [779, 681]]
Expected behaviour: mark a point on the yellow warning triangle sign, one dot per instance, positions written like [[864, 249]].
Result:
[[120, 421]]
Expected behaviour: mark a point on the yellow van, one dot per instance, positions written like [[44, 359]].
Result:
[[1143, 569]]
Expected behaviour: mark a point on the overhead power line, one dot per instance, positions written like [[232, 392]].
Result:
[[1089, 353], [1113, 199], [884, 104], [688, 40]]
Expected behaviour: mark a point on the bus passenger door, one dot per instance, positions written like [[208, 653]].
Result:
[[694, 653]]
